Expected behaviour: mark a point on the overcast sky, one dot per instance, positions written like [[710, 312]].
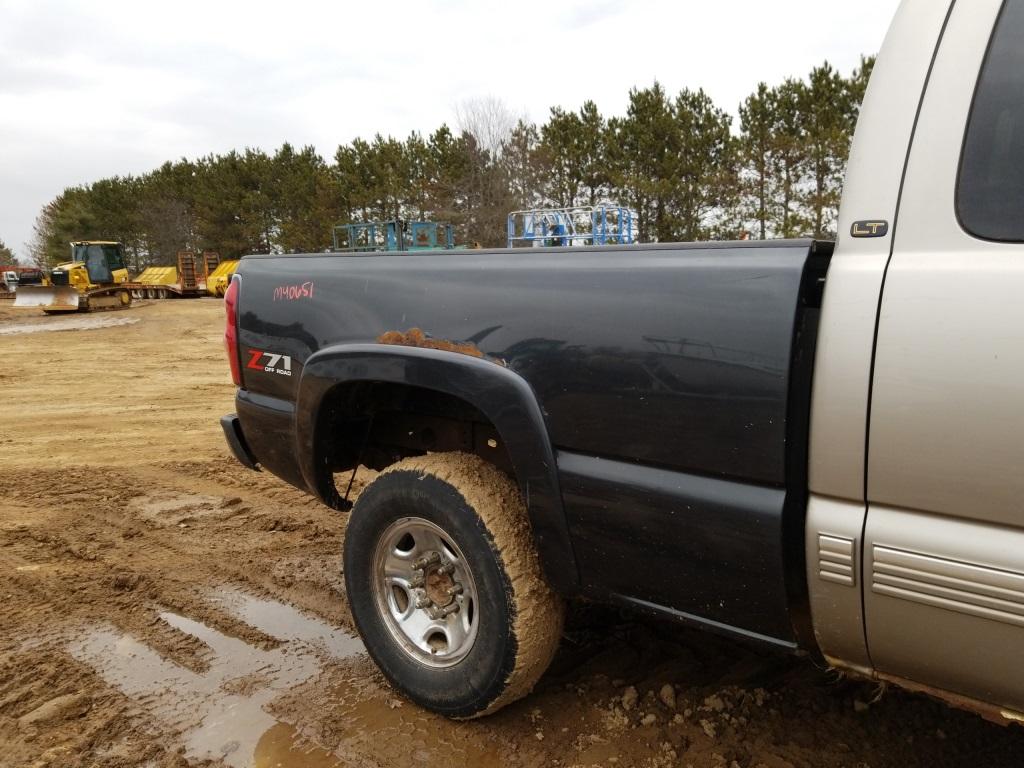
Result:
[[103, 88]]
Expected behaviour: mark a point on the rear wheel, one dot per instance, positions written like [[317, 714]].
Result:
[[150, 293], [162, 293], [445, 586]]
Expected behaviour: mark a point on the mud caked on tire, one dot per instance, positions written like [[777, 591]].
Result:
[[445, 586]]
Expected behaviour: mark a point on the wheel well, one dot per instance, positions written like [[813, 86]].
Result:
[[376, 423]]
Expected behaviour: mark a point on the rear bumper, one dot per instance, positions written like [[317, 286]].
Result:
[[236, 441], [261, 433]]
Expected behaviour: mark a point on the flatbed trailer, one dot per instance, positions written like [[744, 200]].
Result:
[[184, 281]]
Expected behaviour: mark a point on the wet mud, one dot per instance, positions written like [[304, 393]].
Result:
[[164, 607]]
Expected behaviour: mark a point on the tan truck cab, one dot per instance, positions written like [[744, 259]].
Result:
[[915, 525]]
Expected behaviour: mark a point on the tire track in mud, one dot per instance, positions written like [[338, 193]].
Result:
[[82, 539], [154, 535]]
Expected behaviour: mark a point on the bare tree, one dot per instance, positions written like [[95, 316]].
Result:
[[489, 120], [40, 247]]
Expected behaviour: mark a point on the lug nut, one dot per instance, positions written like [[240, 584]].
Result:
[[454, 589], [447, 610], [427, 560]]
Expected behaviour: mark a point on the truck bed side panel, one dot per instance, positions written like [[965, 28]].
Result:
[[676, 357]]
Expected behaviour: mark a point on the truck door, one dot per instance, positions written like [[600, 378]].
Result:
[[943, 550]]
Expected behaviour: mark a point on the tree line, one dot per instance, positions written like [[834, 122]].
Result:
[[679, 161]]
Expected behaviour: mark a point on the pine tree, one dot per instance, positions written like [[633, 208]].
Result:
[[757, 145], [523, 167], [561, 155], [705, 170], [642, 150], [790, 161], [594, 173], [825, 110]]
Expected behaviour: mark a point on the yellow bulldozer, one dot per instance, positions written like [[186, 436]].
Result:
[[93, 279]]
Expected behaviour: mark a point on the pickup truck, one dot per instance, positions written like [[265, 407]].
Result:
[[818, 447]]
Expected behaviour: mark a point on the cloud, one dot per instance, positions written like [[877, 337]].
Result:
[[89, 90]]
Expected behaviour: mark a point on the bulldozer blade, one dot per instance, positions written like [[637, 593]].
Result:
[[49, 298]]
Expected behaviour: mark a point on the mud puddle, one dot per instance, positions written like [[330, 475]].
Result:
[[84, 323], [222, 712], [282, 747]]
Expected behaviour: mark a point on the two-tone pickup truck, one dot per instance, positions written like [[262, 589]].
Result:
[[815, 447]]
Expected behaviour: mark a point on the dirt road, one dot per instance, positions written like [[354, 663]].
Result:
[[162, 606]]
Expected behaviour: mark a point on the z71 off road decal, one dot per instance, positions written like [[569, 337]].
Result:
[[269, 362]]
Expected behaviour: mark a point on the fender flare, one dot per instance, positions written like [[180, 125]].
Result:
[[499, 393]]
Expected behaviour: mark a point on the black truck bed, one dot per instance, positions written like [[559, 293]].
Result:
[[673, 381]]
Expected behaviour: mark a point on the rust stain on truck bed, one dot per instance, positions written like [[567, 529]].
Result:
[[415, 337]]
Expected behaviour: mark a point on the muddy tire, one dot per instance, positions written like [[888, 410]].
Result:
[[445, 586]]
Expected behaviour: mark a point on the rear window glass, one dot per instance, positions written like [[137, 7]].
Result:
[[990, 190]]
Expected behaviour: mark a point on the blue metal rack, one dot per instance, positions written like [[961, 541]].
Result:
[[583, 225], [394, 235]]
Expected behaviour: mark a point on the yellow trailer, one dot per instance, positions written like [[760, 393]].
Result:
[[189, 279], [155, 283], [217, 282]]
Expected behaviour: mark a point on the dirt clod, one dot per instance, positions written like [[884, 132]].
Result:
[[667, 696], [125, 582], [59, 708], [415, 337], [629, 698]]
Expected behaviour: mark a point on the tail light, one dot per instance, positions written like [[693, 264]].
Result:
[[231, 330]]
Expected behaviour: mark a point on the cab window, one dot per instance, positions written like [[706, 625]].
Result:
[[990, 188], [113, 254]]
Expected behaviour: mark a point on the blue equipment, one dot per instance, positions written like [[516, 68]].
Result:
[[394, 235], [583, 225]]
